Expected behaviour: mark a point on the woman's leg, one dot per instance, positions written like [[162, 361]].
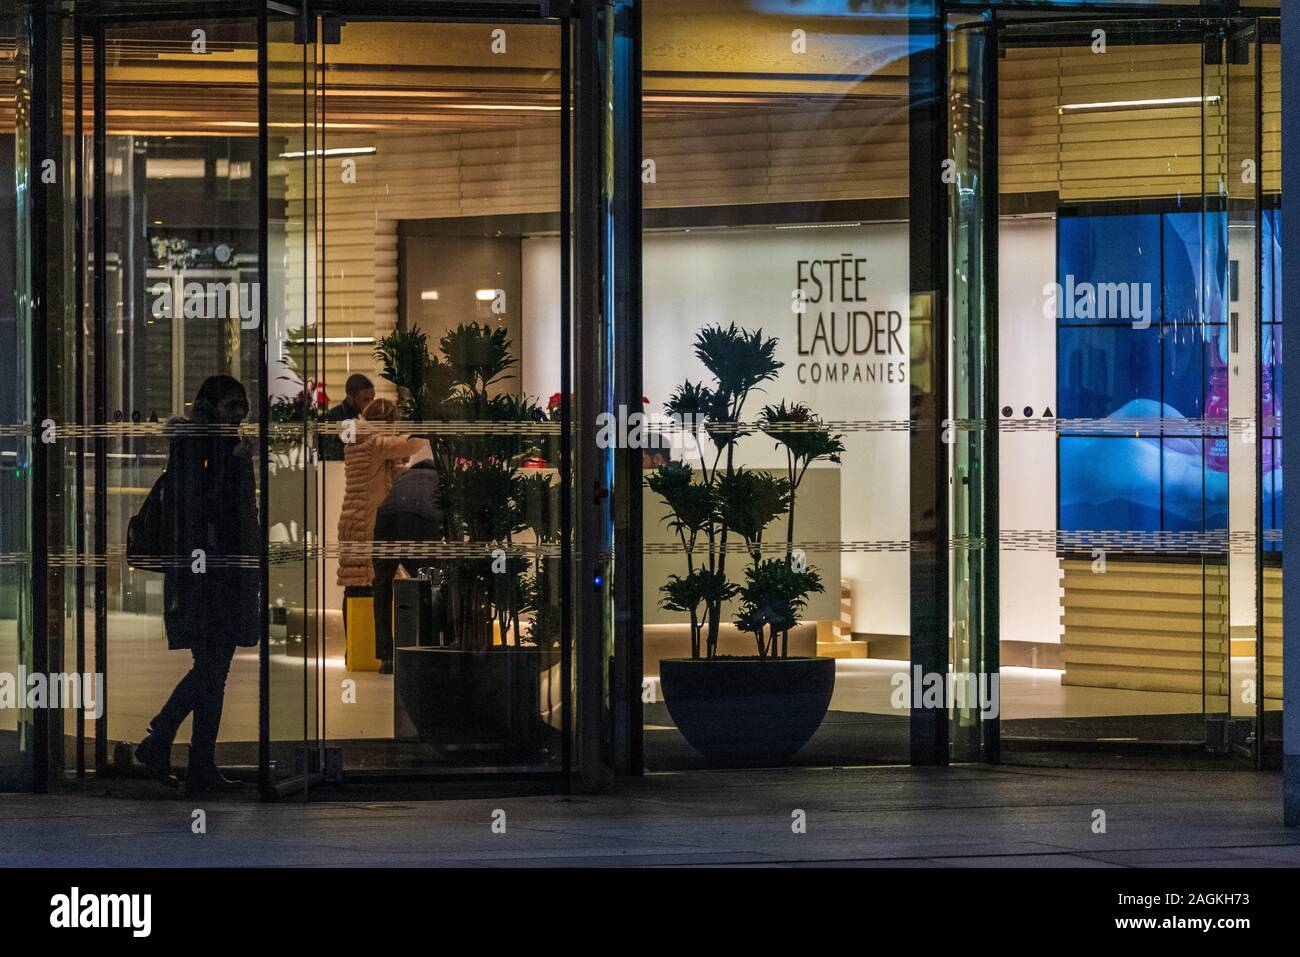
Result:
[[211, 668], [163, 728]]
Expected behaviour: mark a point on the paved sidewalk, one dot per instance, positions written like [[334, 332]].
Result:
[[922, 817]]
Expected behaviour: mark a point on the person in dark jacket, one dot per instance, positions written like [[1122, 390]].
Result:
[[360, 392], [409, 513], [211, 594]]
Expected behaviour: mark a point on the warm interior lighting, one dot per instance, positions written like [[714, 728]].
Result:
[[429, 294], [1140, 104], [485, 295], [816, 225], [333, 151]]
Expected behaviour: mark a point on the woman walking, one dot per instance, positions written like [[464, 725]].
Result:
[[211, 542]]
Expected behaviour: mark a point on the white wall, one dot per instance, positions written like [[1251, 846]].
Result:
[[748, 276], [693, 279], [1030, 579]]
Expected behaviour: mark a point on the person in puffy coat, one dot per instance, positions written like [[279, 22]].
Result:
[[370, 467], [211, 574], [410, 514]]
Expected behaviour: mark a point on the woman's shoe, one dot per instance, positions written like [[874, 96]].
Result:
[[205, 776], [157, 758]]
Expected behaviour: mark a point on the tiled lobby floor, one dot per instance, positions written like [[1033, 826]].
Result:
[[142, 673]]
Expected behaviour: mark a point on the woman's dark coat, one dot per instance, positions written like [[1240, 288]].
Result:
[[210, 503]]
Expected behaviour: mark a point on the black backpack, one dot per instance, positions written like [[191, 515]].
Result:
[[145, 533]]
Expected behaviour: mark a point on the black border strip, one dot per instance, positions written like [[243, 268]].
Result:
[[79, 369], [100, 217]]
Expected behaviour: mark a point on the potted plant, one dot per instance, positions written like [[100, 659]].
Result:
[[488, 689], [761, 707]]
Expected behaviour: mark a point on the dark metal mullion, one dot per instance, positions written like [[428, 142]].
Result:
[[633, 568], [263, 429], [1257, 105], [38, 280], [588, 659], [314, 22], [929, 556], [79, 374], [1202, 298], [156, 15], [1289, 278], [627, 364], [313, 80], [990, 632], [591, 393], [448, 11], [309, 686], [1134, 8], [100, 292], [567, 596]]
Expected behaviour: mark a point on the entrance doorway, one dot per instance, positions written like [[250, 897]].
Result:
[[291, 198], [426, 249], [1113, 291]]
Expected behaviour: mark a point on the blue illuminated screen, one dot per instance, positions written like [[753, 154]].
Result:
[[1133, 342]]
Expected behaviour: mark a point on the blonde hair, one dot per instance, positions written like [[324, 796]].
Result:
[[380, 410]]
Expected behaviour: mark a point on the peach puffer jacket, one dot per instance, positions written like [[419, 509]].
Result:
[[370, 467]]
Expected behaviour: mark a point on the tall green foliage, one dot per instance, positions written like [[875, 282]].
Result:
[[722, 502], [486, 500]]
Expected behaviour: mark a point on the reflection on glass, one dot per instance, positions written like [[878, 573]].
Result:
[[182, 326], [775, 299], [1140, 615]]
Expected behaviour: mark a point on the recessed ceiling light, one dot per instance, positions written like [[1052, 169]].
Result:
[[332, 151], [1139, 104]]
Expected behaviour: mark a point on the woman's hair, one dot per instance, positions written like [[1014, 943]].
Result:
[[380, 410], [216, 388]]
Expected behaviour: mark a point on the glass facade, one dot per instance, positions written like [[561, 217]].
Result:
[[559, 390]]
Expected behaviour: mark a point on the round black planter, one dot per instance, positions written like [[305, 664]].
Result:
[[747, 709], [464, 702]]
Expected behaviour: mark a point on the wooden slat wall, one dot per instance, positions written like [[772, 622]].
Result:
[[1272, 633], [853, 152], [826, 149], [429, 176], [1152, 626], [1145, 626], [1121, 154]]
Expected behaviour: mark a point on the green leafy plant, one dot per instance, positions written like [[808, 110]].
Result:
[[484, 496], [750, 501], [774, 594], [722, 501], [806, 441], [404, 353]]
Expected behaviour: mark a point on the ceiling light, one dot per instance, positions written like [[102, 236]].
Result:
[[1139, 104], [332, 151]]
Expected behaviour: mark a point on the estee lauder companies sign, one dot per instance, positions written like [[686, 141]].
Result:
[[844, 332]]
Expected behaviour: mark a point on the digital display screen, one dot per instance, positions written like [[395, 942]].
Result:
[[1144, 332]]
